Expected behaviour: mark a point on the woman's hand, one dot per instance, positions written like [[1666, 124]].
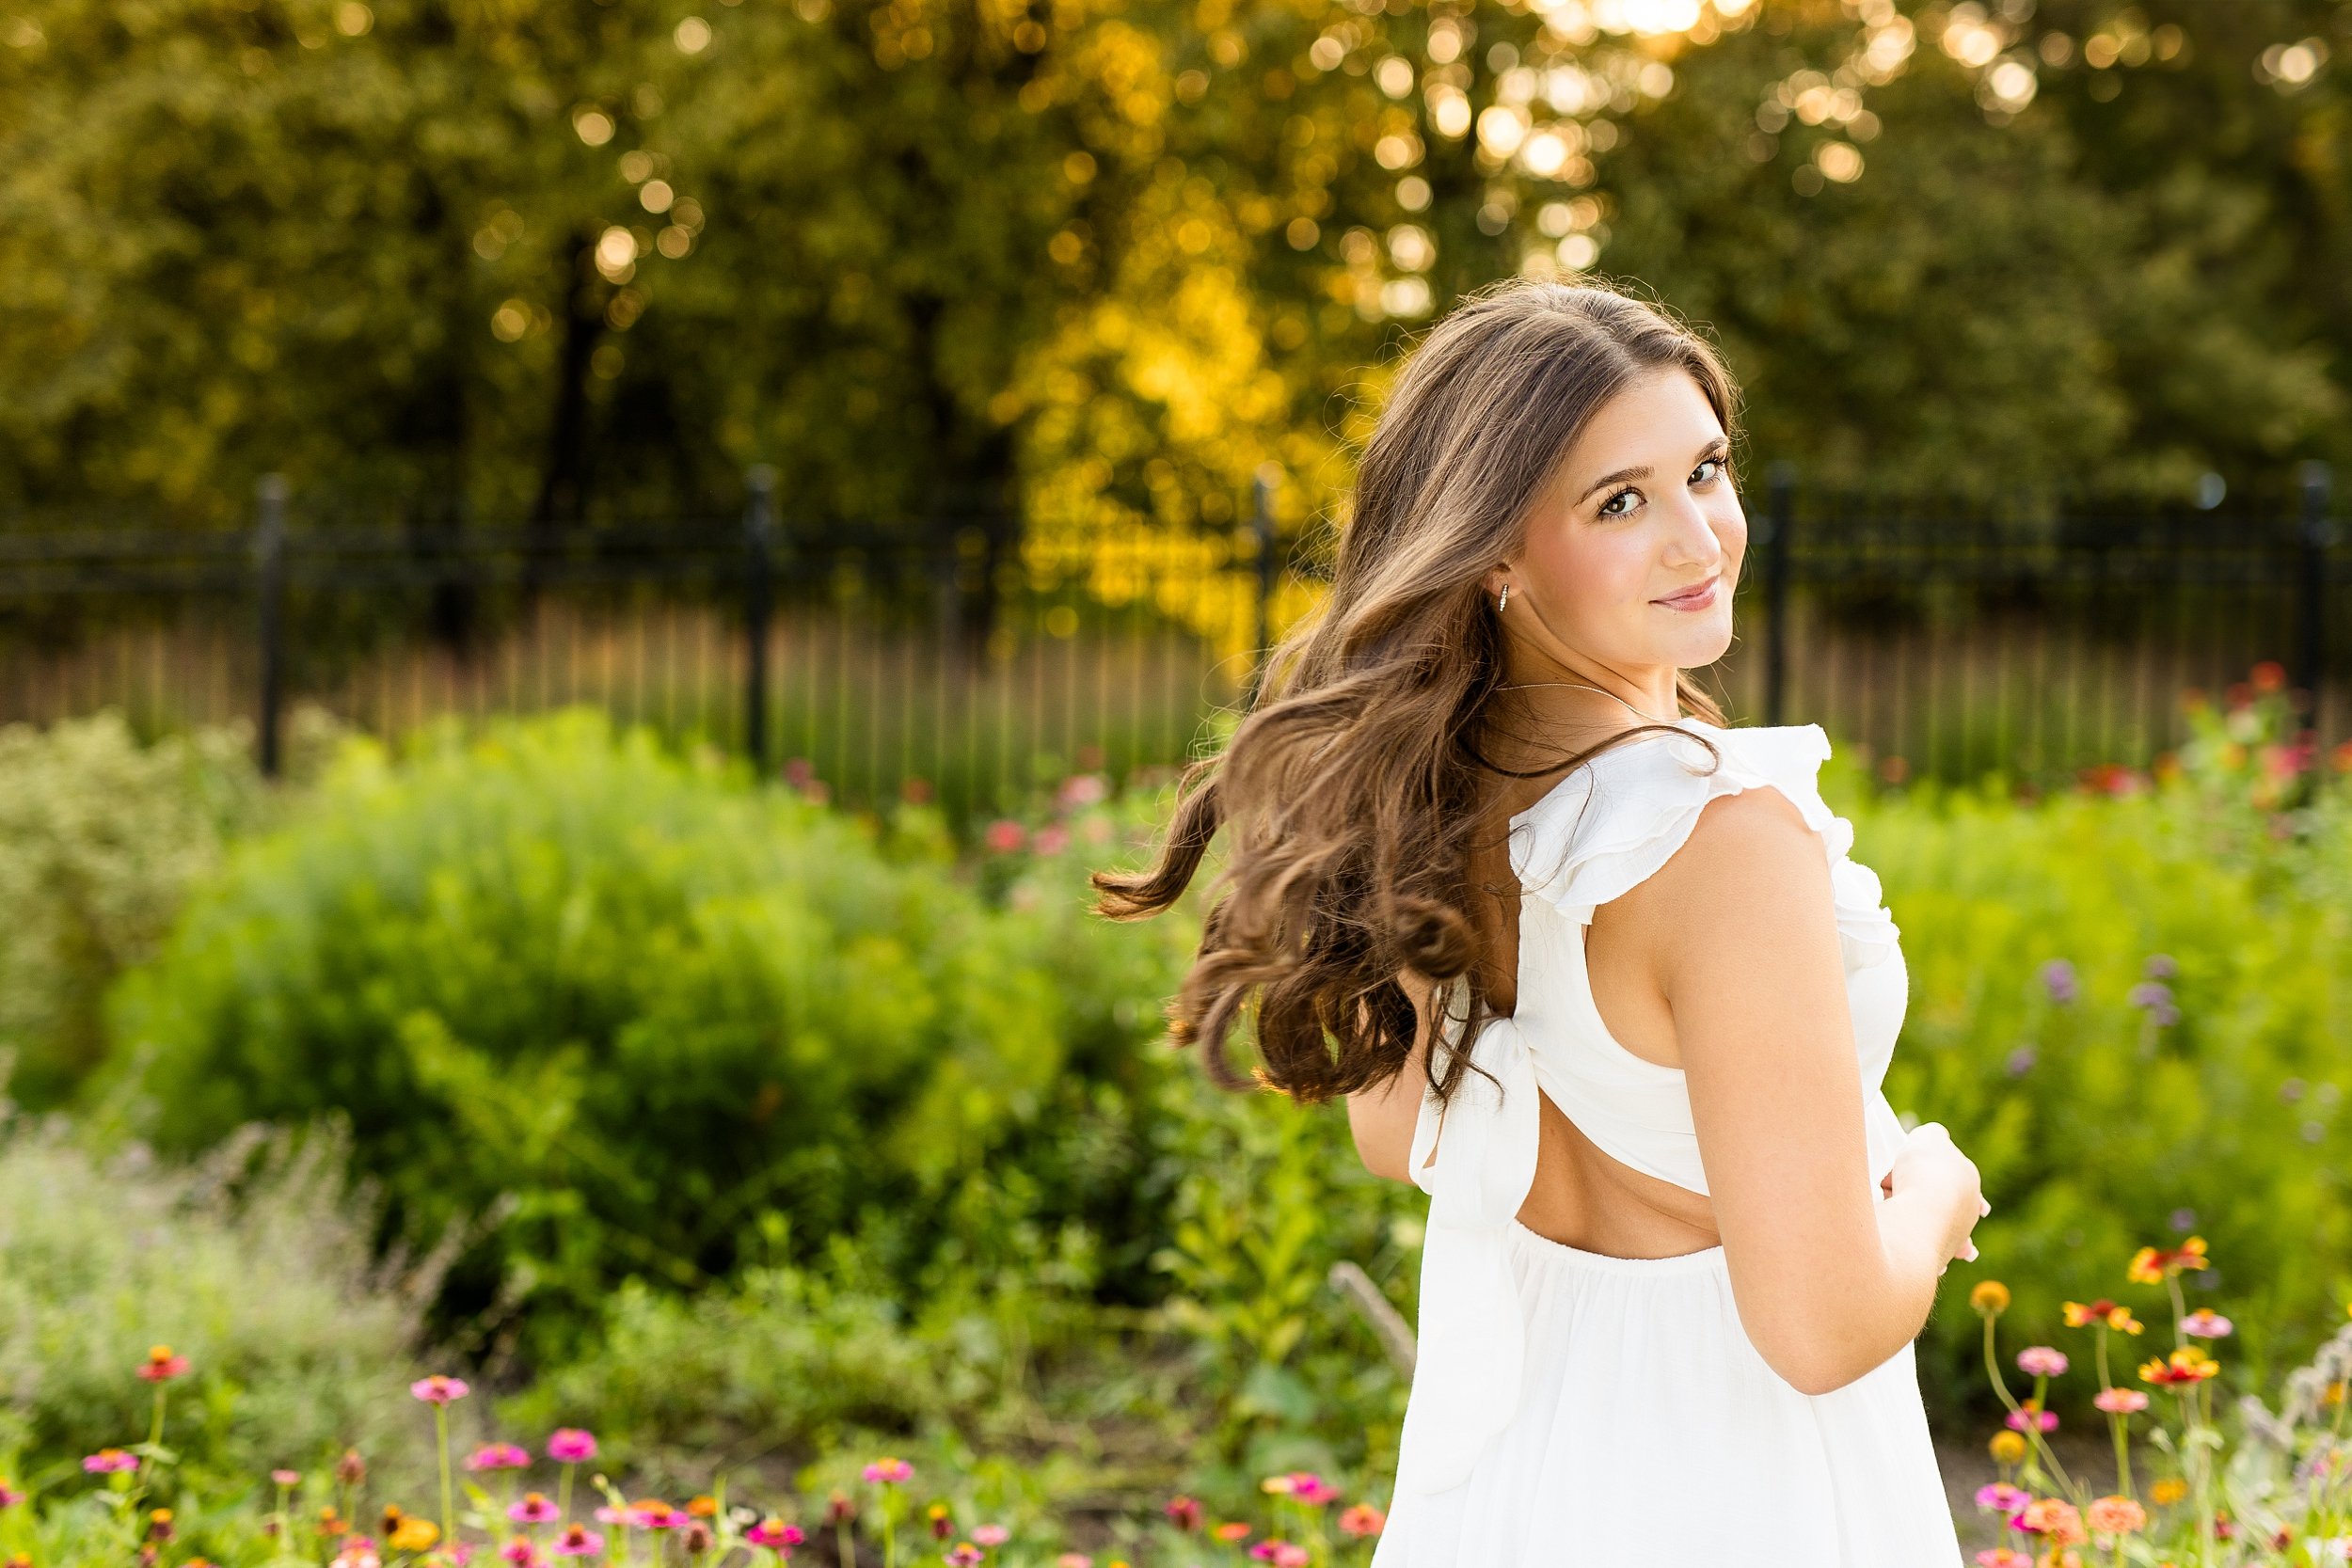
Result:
[[1933, 1165]]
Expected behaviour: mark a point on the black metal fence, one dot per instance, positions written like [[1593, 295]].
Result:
[[2031, 635]]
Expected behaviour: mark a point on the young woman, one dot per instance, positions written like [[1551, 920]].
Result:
[[1593, 970]]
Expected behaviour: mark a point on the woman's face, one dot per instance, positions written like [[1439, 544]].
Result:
[[1632, 554]]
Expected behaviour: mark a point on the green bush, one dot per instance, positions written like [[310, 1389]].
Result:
[[99, 840], [2130, 1009], [638, 1014], [253, 1263]]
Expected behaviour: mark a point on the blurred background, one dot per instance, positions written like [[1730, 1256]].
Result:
[[582, 581]]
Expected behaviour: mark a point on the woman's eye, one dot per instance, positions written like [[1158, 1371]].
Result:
[[1609, 507], [1716, 463]]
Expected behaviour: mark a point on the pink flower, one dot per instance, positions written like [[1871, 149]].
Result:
[[774, 1533], [1183, 1512], [107, 1462], [536, 1507], [438, 1389], [2003, 1557], [992, 1535], [10, 1497], [657, 1515], [520, 1552], [2045, 1420], [571, 1446], [497, 1456], [360, 1554], [577, 1541], [2040, 1361], [2205, 1323], [889, 1471], [1361, 1520], [1308, 1487], [286, 1478], [2001, 1498], [161, 1365], [1073, 1560], [457, 1553], [607, 1515], [1004, 835], [961, 1555], [2120, 1402], [1283, 1554], [1051, 839]]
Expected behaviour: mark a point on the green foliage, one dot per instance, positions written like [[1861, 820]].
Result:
[[2101, 1121], [617, 1007], [1119, 254], [254, 1263], [99, 840]]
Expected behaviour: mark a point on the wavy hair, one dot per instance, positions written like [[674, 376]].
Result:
[[1355, 785]]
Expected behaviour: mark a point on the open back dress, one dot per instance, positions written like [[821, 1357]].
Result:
[[1570, 1407]]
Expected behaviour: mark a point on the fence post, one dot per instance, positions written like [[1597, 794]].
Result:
[[1781, 478], [759, 529], [2310, 601], [1261, 529], [269, 595]]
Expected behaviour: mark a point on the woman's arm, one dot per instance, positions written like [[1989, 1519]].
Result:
[[1740, 929], [1382, 1118]]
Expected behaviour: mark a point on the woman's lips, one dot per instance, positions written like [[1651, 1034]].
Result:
[[1697, 598]]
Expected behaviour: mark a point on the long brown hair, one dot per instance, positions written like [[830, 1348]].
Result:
[[1355, 782]]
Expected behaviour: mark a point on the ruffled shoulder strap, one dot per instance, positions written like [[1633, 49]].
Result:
[[1614, 822]]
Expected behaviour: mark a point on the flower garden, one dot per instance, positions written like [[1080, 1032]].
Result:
[[542, 1145]]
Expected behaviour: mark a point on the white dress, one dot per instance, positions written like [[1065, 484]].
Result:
[[1568, 1408]]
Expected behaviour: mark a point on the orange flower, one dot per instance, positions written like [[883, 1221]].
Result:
[[2171, 1489], [2007, 1448], [2183, 1365], [2055, 1518], [2116, 1515], [1990, 1297], [2083, 1314], [2150, 1266]]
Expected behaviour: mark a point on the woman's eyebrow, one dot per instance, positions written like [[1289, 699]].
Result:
[[1644, 470]]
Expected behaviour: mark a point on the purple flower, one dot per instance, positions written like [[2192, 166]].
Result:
[[2058, 977], [2161, 967], [497, 1456], [2019, 1060], [571, 1446]]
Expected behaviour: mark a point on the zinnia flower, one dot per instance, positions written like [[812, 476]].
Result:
[[161, 1365], [286, 1478], [571, 1446], [536, 1507], [2205, 1323], [1183, 1512], [889, 1471], [1231, 1532], [521, 1553], [2151, 1266], [2116, 1515], [2003, 1557], [1362, 1520], [497, 1456], [107, 1462], [2032, 1417], [10, 1495], [2165, 1493], [961, 1555], [2120, 1402], [2040, 1361], [992, 1535], [578, 1540], [2053, 1518], [2183, 1365], [413, 1534], [1990, 1298], [438, 1389], [774, 1532], [2007, 1448], [2001, 1498], [1073, 1560]]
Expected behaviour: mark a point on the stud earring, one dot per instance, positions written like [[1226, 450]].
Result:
[[1503, 598]]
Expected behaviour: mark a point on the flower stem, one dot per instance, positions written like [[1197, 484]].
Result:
[[2032, 1427], [155, 1432], [449, 1513]]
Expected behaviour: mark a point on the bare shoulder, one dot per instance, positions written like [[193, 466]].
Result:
[[1751, 854]]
